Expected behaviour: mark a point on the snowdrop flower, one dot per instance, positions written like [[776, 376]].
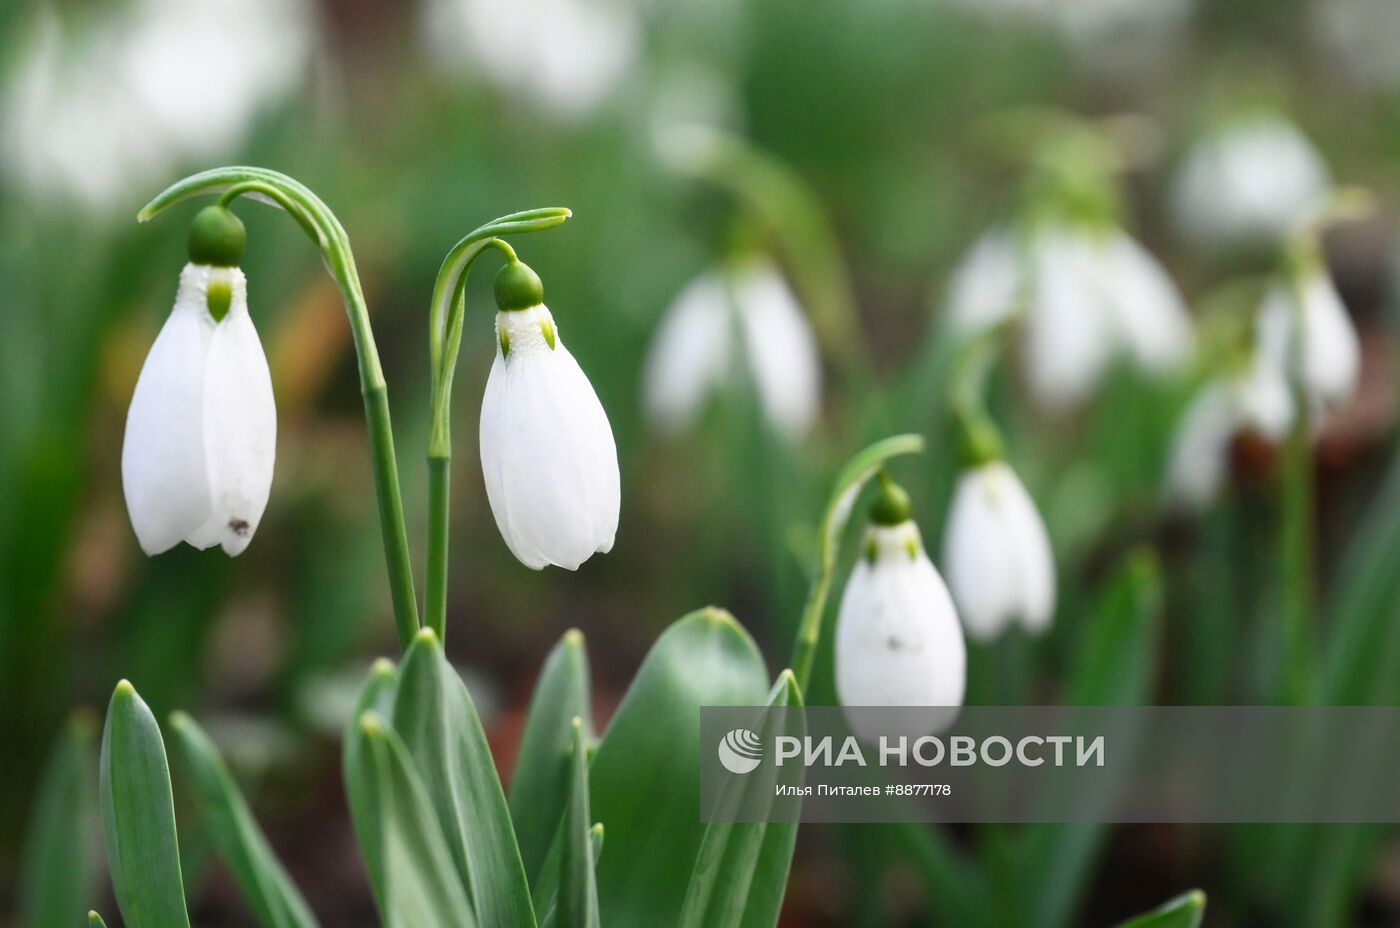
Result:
[[747, 312], [1249, 183], [1330, 359], [201, 432], [547, 450], [1091, 295], [93, 108], [565, 55], [997, 554], [898, 642]]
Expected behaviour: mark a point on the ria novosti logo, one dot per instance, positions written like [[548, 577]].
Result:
[[740, 751]]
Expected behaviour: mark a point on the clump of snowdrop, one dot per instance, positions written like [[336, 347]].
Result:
[[567, 56], [740, 322], [1249, 183], [898, 642], [996, 552], [547, 450], [93, 108], [201, 432], [1087, 293]]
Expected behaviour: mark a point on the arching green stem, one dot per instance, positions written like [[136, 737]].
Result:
[[444, 339], [857, 472], [316, 219], [979, 440]]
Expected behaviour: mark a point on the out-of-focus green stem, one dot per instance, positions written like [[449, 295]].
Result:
[[317, 220], [1296, 487], [445, 320]]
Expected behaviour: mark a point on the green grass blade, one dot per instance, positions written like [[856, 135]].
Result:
[[1113, 668], [138, 816], [1185, 911], [539, 789], [437, 721], [645, 783], [421, 886], [741, 871], [575, 902], [60, 853], [95, 920], [245, 849], [377, 697]]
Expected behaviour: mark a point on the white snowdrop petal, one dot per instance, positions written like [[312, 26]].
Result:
[[975, 559], [689, 356], [240, 429], [1264, 399], [547, 450], [1200, 453], [1151, 315], [1067, 341], [781, 349], [163, 465], [898, 642], [1332, 358], [1030, 553], [982, 290]]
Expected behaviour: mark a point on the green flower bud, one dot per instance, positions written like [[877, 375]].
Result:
[[891, 505], [518, 287], [217, 237]]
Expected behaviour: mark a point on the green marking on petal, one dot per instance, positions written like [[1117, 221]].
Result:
[[871, 550], [912, 547], [219, 297], [547, 330], [504, 339]]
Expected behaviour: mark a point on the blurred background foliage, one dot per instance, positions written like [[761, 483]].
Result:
[[418, 121]]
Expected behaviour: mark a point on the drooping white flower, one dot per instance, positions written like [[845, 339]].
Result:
[[201, 432], [1330, 359], [547, 450], [996, 554], [564, 55], [1251, 182], [748, 312], [93, 108], [898, 642], [1091, 295]]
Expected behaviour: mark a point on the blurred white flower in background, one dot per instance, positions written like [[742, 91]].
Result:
[[997, 555], [1251, 182], [739, 322], [1360, 39], [1330, 360], [564, 55], [96, 104], [1090, 296], [898, 642]]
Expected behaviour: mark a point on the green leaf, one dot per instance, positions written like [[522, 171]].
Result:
[[434, 715], [138, 816], [60, 853], [1113, 668], [264, 883], [421, 886], [95, 920], [1185, 911], [645, 782], [377, 697], [540, 787], [956, 890], [575, 902], [741, 871]]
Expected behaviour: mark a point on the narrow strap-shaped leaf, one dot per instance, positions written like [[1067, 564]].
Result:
[[377, 696], [742, 868], [576, 899], [60, 853], [539, 788], [1185, 911], [138, 816], [245, 849], [1113, 668], [95, 920], [645, 783], [421, 886], [434, 715]]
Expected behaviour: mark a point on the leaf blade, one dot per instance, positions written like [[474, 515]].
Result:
[[1185, 911], [60, 854]]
